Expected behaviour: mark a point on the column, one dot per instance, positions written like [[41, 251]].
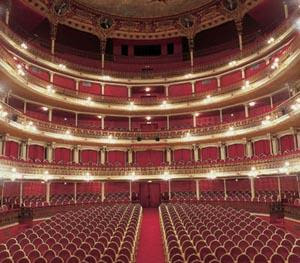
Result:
[[249, 149], [239, 27], [196, 153], [49, 152], [246, 110], [168, 122], [167, 90], [197, 190], [219, 82], [129, 123], [279, 188], [130, 190], [2, 143], [76, 154], [243, 73], [75, 193], [102, 122], [76, 119], [48, 192], [102, 49], [2, 192], [252, 188], [25, 107], [191, 47], [102, 89], [223, 151], [129, 156], [23, 151], [76, 85], [194, 120], [102, 191], [169, 188], [102, 155], [271, 102], [221, 116], [193, 87], [129, 91], [168, 153], [225, 189], [21, 192], [297, 146], [275, 145], [286, 10], [50, 112], [7, 11], [53, 33], [51, 76]]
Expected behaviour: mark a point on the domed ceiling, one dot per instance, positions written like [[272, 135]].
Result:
[[143, 8]]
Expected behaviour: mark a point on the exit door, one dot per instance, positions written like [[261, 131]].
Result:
[[150, 194]]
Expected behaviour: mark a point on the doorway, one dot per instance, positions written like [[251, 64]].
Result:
[[150, 194]]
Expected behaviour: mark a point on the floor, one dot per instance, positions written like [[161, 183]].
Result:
[[151, 244]]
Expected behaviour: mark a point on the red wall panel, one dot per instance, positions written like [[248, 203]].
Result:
[[286, 143], [183, 89], [64, 82], [149, 157], [254, 69], [12, 149], [289, 183], [36, 152], [238, 185], [11, 189], [266, 184], [211, 185], [57, 188], [206, 85], [34, 189], [39, 73], [231, 78], [90, 87], [236, 150], [62, 155], [117, 187], [117, 157], [210, 153], [262, 147], [88, 156], [89, 187], [116, 91], [183, 186], [182, 155]]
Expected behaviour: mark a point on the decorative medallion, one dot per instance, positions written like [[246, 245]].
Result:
[[230, 5], [61, 7]]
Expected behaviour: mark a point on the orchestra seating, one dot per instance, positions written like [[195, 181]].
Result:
[[107, 233], [205, 233]]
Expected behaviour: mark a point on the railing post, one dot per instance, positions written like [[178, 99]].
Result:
[[197, 190], [53, 33], [102, 191]]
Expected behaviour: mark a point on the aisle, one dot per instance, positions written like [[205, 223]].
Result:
[[151, 245]]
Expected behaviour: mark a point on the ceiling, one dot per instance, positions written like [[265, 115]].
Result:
[[142, 8]]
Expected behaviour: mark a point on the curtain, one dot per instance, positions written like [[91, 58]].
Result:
[[262, 147], [182, 155], [12, 149], [149, 158], [61, 188], [11, 189], [238, 185], [289, 183], [183, 89], [62, 155], [182, 122], [266, 184], [154, 189], [231, 78], [116, 157], [210, 153], [206, 85], [236, 150], [117, 187], [211, 185], [88, 156], [36, 152], [287, 143], [89, 187], [183, 186]]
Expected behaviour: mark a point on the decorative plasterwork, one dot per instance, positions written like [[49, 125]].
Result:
[[208, 15]]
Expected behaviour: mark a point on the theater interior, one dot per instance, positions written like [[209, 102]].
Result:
[[150, 131]]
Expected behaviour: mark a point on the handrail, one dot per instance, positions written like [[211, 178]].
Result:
[[208, 66], [163, 134], [7, 55]]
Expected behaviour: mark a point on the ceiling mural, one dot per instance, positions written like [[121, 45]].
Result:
[[143, 8]]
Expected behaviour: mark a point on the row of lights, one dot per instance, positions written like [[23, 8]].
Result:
[[3, 113]]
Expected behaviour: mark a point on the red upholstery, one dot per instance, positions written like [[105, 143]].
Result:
[[90, 87], [117, 158], [210, 153], [64, 82], [262, 148], [287, 143], [62, 155], [116, 91], [236, 151], [183, 89], [89, 156], [149, 157], [206, 85], [12, 149], [182, 155], [40, 73], [36, 152], [231, 78], [254, 69]]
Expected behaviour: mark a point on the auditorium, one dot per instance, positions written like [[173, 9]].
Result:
[[150, 131]]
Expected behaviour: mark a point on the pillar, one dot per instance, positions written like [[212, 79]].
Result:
[[102, 122], [194, 120], [53, 33], [252, 187], [102, 155], [130, 159], [7, 11], [271, 102], [168, 153], [297, 146], [249, 149], [225, 189], [130, 190], [50, 112], [246, 110], [76, 154], [275, 145], [21, 192], [197, 190], [279, 188], [25, 107], [196, 153], [102, 49], [51, 76], [129, 123], [191, 47], [218, 82], [239, 27], [75, 193], [169, 188], [49, 152], [286, 10], [168, 122], [2, 193], [167, 91], [76, 119], [221, 116], [129, 91], [2, 143], [243, 73], [223, 151], [193, 87], [48, 192], [102, 191], [23, 151]]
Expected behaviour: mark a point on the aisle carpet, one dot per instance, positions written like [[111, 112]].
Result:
[[150, 247]]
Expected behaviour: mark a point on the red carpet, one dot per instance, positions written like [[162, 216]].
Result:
[[151, 243]]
